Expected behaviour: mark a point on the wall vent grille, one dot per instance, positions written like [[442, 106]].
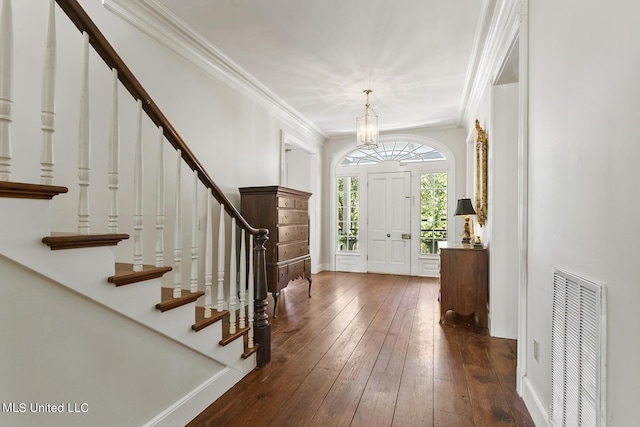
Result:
[[577, 352]]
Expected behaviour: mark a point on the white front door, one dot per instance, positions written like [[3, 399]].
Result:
[[389, 213]]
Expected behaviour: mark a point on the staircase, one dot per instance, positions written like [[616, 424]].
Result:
[[146, 340]]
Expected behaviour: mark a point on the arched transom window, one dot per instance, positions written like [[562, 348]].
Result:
[[400, 151]]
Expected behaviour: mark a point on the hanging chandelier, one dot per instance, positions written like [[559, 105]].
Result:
[[367, 127]]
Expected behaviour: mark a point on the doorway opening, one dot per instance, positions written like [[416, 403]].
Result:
[[299, 169]]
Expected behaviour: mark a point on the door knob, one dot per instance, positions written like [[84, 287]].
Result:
[[388, 235]]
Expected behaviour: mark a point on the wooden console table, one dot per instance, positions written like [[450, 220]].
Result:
[[285, 212], [463, 281]]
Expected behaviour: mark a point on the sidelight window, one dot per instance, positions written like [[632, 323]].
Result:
[[348, 213], [433, 211]]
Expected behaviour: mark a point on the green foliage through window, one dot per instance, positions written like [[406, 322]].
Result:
[[433, 211], [348, 213]]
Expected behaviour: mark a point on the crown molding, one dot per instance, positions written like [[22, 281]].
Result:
[[164, 26], [503, 26], [484, 22]]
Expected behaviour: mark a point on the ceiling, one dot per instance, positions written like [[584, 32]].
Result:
[[319, 55]]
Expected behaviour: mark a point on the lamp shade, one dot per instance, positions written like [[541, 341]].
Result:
[[464, 207]]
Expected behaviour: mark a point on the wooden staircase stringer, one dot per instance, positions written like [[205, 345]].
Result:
[[84, 272], [125, 275]]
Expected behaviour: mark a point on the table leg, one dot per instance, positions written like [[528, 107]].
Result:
[[275, 295]]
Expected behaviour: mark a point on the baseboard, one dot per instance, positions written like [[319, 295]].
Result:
[[187, 408], [534, 405], [322, 267]]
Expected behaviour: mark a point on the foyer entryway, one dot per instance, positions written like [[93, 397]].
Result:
[[392, 204]]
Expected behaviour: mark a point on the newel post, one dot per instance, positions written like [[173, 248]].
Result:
[[262, 326]]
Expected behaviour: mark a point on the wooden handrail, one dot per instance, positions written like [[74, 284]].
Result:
[[108, 54]]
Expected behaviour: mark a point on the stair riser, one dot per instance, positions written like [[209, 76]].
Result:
[[23, 220]]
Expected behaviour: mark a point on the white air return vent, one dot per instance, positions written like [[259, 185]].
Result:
[[578, 344]]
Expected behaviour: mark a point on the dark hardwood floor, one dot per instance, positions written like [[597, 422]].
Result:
[[368, 350]]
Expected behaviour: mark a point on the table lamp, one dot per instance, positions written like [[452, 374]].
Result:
[[465, 208]]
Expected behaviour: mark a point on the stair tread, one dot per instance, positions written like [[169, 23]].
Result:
[[58, 240], [23, 190], [125, 274], [168, 302], [228, 337], [202, 322], [249, 351]]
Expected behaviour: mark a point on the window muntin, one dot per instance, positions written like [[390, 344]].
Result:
[[433, 211], [405, 152], [348, 213]]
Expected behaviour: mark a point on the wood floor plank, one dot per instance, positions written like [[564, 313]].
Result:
[[377, 404], [518, 409], [448, 419], [452, 397], [340, 404], [250, 402], [502, 358], [311, 392], [322, 371], [415, 403], [475, 351], [341, 401], [368, 349], [495, 413], [483, 383]]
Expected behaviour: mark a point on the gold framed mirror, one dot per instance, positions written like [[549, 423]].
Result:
[[482, 151]]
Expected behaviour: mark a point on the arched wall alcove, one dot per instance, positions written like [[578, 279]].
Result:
[[409, 153]]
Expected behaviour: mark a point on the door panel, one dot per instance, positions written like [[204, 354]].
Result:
[[378, 255], [389, 218]]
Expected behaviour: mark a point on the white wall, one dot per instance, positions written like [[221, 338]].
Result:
[[583, 193], [503, 214], [297, 163]]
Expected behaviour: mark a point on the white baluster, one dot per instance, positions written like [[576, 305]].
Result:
[[84, 151], [160, 201], [194, 236], [250, 308], [177, 235], [233, 273], [48, 100], [114, 158], [221, 245], [6, 70], [242, 322], [138, 214], [208, 258]]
